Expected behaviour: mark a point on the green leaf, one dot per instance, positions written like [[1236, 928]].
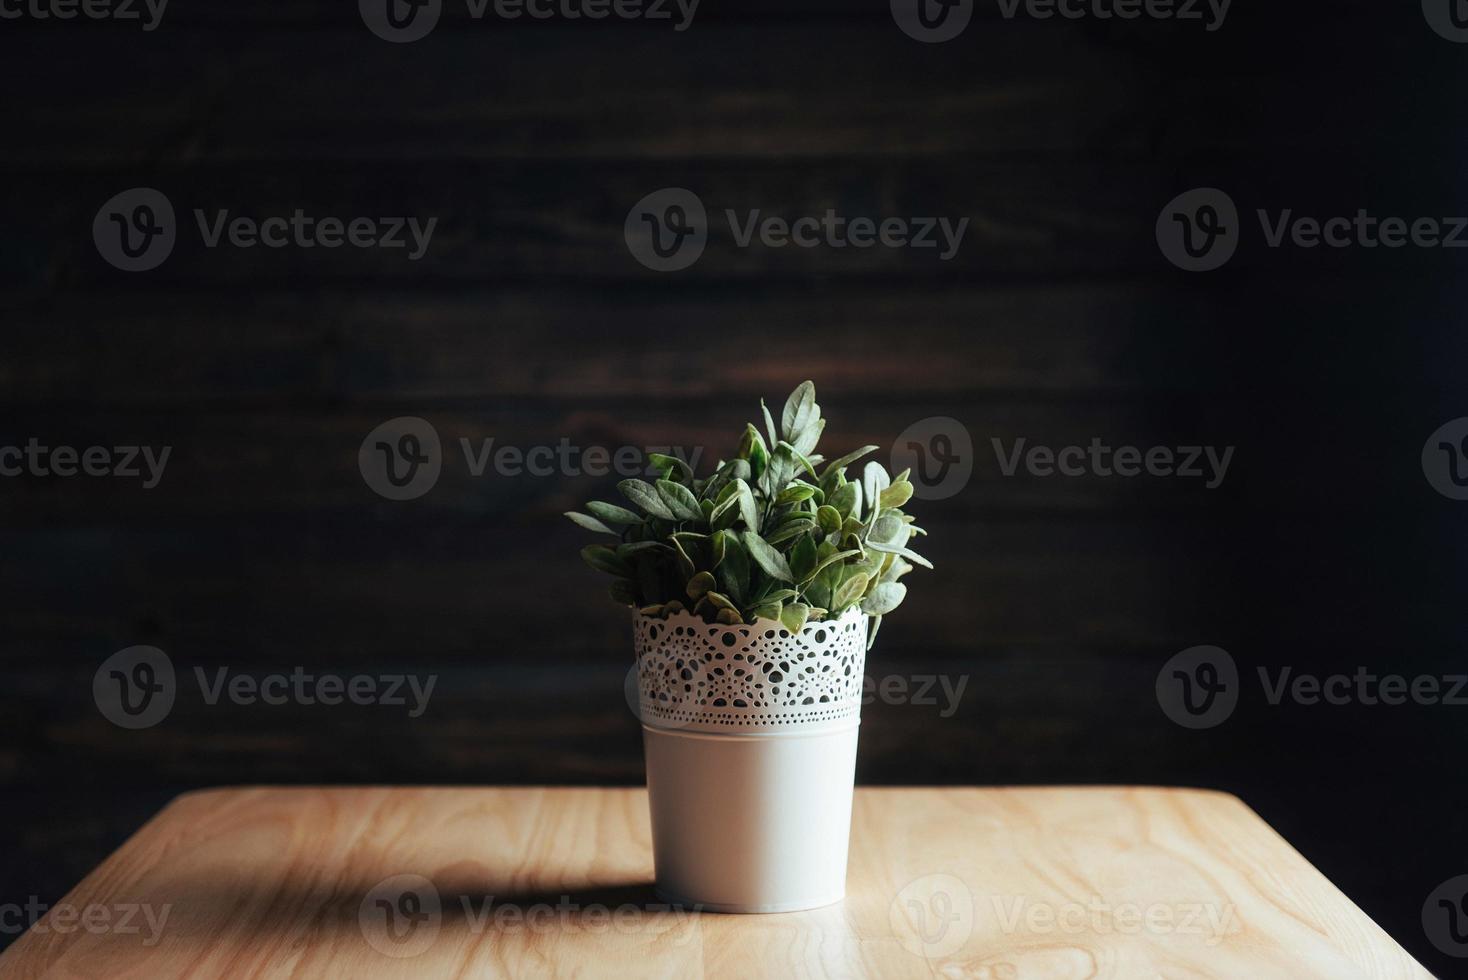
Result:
[[887, 533], [807, 463], [590, 523], [770, 430], [779, 472], [849, 591], [794, 615], [694, 545], [643, 495], [896, 495], [719, 601], [722, 475], [729, 617], [752, 448], [680, 500], [795, 493], [790, 530], [747, 509], [874, 480], [733, 571], [803, 558], [612, 514], [847, 500], [726, 509], [669, 465], [884, 597], [799, 409], [765, 610], [686, 566], [829, 518], [780, 595], [841, 462], [790, 527], [805, 440], [915, 558], [895, 569], [700, 585], [876, 624], [605, 559], [623, 591], [767, 558], [718, 541], [828, 561]]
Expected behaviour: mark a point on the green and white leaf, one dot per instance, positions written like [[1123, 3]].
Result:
[[884, 597]]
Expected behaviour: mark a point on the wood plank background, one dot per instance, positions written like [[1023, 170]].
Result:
[[527, 321]]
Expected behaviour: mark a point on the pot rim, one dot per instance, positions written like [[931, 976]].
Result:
[[687, 618]]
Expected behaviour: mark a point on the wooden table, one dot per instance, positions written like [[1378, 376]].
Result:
[[981, 883]]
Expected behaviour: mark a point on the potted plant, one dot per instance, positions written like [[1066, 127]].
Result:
[[757, 590]]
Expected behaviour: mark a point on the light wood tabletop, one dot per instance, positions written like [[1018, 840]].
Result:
[[961, 883]]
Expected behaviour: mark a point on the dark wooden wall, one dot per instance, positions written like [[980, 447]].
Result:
[[528, 321]]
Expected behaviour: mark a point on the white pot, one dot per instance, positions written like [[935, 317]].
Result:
[[750, 735]]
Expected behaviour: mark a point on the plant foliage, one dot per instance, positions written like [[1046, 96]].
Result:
[[775, 533]]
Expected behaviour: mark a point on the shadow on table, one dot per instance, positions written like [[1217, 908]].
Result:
[[395, 912]]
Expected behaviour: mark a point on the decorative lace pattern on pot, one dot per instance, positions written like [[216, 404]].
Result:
[[719, 678]]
